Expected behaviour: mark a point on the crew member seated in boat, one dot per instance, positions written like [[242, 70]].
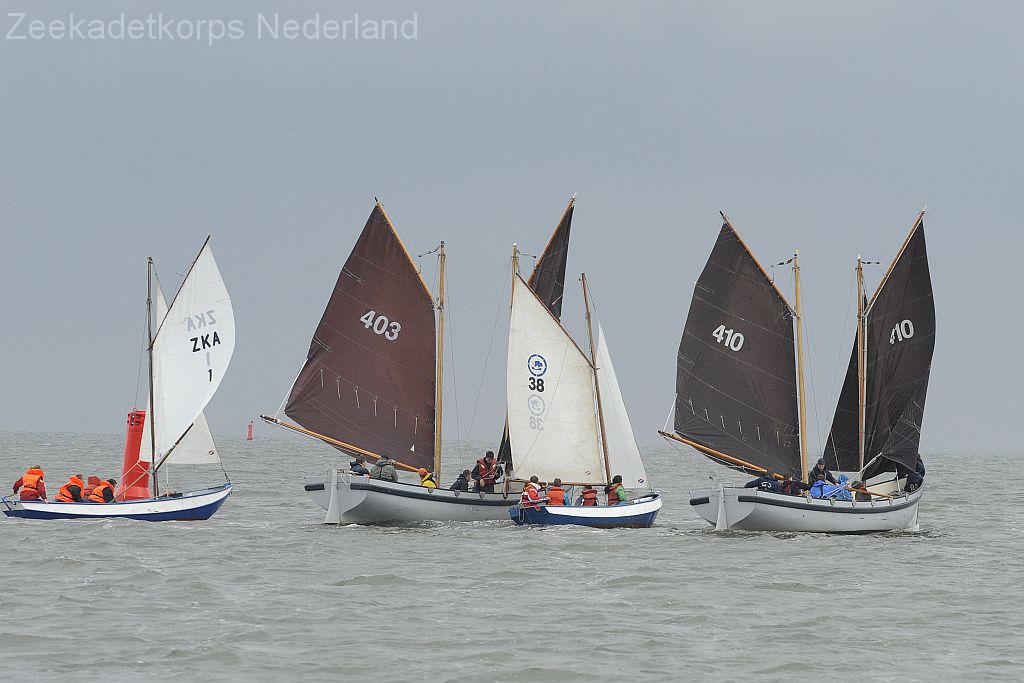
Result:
[[588, 496], [71, 492], [531, 497], [426, 478], [819, 468], [792, 487], [766, 482], [462, 482], [358, 466], [916, 478], [30, 485], [556, 494], [384, 469], [485, 473], [92, 483], [104, 492], [615, 490]]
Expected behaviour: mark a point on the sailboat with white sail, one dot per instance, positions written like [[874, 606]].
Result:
[[740, 393], [567, 419], [189, 352], [371, 386]]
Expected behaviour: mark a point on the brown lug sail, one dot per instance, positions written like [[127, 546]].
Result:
[[369, 376]]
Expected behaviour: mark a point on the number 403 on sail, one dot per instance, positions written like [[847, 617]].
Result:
[[381, 324]]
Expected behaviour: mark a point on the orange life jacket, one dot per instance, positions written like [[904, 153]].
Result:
[[529, 498], [97, 493], [64, 495], [487, 472], [589, 497], [556, 495], [30, 478], [93, 483], [613, 494]]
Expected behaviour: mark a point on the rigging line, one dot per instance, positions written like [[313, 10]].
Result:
[[455, 379], [138, 373], [499, 309], [850, 297]]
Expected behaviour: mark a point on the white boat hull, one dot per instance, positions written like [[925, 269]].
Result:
[[743, 509], [360, 500], [192, 506]]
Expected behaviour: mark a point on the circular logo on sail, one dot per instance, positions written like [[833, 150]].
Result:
[[536, 405], [538, 366]]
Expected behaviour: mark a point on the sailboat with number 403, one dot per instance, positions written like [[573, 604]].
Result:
[[371, 387], [189, 352], [567, 419], [740, 399]]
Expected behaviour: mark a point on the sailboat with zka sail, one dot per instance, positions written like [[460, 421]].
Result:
[[567, 419], [371, 386], [190, 344], [740, 399]]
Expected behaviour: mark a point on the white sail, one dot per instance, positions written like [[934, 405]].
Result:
[[197, 448], [623, 454], [191, 352], [552, 413]]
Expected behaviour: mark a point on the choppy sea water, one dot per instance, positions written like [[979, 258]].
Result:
[[264, 591]]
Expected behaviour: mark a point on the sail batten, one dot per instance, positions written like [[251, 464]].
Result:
[[369, 377], [736, 381]]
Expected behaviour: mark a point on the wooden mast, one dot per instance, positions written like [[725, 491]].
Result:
[[439, 390], [800, 366], [152, 406], [597, 384], [861, 363]]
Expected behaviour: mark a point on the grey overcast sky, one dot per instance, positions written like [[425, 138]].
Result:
[[822, 126]]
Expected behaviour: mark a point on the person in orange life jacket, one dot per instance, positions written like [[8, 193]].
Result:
[[71, 492], [766, 482], [556, 494], [462, 482], [588, 497], [426, 478], [92, 483], [616, 492], [104, 492], [485, 473], [531, 494], [30, 485]]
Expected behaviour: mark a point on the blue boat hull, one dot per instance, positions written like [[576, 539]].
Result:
[[638, 514], [193, 506]]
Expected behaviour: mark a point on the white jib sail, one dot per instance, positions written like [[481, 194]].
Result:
[[197, 448], [623, 454], [191, 352], [552, 413]]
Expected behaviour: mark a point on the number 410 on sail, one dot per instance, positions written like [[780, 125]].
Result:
[[732, 339]]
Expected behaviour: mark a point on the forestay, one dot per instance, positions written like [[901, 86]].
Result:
[[736, 389], [369, 375], [623, 454], [191, 351], [552, 413], [197, 446]]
